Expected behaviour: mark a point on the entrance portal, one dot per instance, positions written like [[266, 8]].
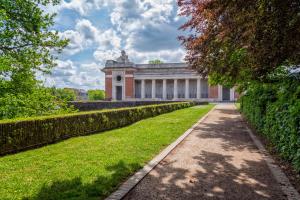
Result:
[[226, 94], [119, 92]]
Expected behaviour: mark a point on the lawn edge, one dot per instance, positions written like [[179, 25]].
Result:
[[131, 182]]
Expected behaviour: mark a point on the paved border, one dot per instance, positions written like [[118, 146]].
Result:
[[279, 175], [138, 176], [281, 178]]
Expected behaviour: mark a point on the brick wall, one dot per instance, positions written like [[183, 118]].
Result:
[[108, 88], [129, 82], [213, 92]]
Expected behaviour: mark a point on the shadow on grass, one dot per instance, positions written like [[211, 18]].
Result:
[[75, 189]]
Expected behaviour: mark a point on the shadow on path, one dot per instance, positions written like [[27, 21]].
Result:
[[217, 161]]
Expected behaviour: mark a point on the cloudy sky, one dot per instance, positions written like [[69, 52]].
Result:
[[99, 29]]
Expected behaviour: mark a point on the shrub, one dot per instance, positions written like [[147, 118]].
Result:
[[274, 110], [65, 94], [96, 95], [16, 135], [39, 102]]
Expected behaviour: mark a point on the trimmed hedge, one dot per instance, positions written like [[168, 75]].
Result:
[[274, 110], [99, 105], [20, 135]]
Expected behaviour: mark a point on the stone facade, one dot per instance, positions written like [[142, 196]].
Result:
[[125, 80]]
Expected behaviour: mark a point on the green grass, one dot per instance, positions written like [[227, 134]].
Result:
[[238, 106], [92, 166]]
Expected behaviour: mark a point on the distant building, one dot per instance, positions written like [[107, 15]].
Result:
[[125, 80]]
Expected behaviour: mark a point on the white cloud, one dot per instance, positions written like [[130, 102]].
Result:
[[76, 43], [81, 6], [103, 55], [146, 29], [164, 55], [68, 74], [86, 35]]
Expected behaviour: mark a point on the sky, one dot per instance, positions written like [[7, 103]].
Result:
[[99, 29]]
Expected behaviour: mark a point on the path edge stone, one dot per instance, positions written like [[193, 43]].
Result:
[[128, 185], [285, 184]]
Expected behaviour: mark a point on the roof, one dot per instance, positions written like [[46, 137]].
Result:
[[114, 64]]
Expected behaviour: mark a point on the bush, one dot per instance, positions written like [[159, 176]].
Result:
[[39, 102], [96, 95], [65, 94], [16, 135], [274, 110]]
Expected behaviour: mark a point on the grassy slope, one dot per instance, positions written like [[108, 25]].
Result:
[[92, 166]]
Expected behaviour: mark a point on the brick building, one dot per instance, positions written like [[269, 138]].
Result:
[[125, 80]]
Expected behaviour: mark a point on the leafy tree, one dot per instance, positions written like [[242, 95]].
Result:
[[156, 61], [96, 95], [241, 40], [25, 44], [26, 48], [65, 94], [39, 102]]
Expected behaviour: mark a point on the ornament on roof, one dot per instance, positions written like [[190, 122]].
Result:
[[123, 58]]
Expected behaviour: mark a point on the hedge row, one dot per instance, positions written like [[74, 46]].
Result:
[[20, 135], [274, 110], [99, 105]]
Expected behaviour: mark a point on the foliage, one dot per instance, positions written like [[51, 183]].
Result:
[[96, 95], [91, 167], [274, 110], [21, 134], [240, 40], [65, 94], [156, 61], [26, 48], [39, 102]]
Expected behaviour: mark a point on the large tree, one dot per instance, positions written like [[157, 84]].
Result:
[[27, 46], [238, 40]]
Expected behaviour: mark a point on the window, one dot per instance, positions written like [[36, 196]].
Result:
[[119, 78]]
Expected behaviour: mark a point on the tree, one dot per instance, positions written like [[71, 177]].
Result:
[[241, 40], [96, 95], [65, 94], [156, 61], [25, 44], [26, 48]]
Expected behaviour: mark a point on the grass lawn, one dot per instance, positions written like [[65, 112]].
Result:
[[92, 166], [238, 105]]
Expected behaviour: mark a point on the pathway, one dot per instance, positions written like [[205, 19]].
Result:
[[218, 160]]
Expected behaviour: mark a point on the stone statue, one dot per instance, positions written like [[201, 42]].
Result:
[[123, 58]]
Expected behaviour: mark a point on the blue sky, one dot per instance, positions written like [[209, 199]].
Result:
[[99, 29]]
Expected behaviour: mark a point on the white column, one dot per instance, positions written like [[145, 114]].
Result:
[[198, 88], [175, 89], [143, 89], [220, 92], [232, 94], [153, 89], [164, 89], [124, 87], [187, 89]]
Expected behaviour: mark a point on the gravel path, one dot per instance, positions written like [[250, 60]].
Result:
[[218, 160]]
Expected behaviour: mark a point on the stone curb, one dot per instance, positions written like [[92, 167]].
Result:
[[138, 176], [281, 178], [279, 175]]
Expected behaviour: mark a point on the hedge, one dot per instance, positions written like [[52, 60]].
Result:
[[99, 105], [274, 110], [16, 135]]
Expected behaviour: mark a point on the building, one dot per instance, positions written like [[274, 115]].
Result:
[[125, 80]]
